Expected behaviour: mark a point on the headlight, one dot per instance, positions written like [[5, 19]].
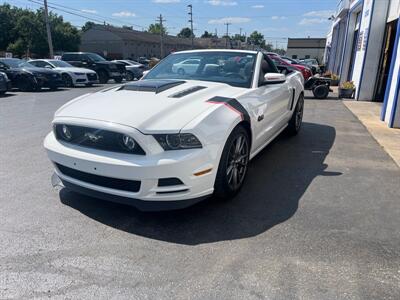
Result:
[[63, 132], [128, 142], [79, 74], [177, 141]]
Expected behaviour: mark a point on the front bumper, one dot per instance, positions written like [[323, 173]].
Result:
[[148, 169]]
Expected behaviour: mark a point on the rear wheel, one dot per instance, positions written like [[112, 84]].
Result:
[[232, 168], [103, 77], [294, 125], [67, 80]]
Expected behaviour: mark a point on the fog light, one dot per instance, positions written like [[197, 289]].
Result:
[[128, 142]]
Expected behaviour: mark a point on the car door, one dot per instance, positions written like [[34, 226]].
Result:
[[272, 105]]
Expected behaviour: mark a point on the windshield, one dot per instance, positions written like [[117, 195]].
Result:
[[95, 57], [233, 68], [16, 63], [60, 64]]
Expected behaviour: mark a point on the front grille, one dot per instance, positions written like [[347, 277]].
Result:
[[95, 138], [108, 182], [91, 76]]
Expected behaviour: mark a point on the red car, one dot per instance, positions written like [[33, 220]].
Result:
[[307, 73]]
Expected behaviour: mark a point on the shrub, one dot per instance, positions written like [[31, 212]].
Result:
[[348, 85]]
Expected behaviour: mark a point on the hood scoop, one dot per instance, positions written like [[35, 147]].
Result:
[[156, 86], [187, 92]]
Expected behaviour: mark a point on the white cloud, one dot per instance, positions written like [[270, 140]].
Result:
[[90, 11], [232, 20], [312, 21], [124, 14], [278, 18], [222, 2], [166, 1], [320, 13], [257, 6]]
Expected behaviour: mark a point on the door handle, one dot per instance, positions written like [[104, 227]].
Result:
[[260, 118]]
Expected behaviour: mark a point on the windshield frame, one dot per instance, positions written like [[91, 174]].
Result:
[[247, 84]]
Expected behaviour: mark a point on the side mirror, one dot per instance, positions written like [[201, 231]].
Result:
[[274, 78]]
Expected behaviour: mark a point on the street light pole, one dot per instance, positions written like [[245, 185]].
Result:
[[46, 19], [160, 19]]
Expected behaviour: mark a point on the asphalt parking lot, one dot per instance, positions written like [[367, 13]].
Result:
[[318, 218]]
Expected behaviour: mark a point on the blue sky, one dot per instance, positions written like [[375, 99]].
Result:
[[276, 19]]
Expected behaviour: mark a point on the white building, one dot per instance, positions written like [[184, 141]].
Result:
[[303, 48], [363, 47]]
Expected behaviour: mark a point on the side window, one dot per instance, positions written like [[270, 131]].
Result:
[[294, 56], [307, 56], [39, 64]]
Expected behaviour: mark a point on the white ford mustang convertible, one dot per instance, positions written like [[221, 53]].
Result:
[[174, 138]]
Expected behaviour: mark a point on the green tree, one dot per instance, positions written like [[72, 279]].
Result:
[[88, 25], [156, 29], [206, 34], [185, 33], [256, 38], [25, 32]]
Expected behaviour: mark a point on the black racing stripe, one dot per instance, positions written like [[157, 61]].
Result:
[[232, 103]]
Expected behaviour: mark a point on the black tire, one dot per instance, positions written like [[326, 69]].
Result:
[[129, 76], [321, 92], [294, 125], [181, 71], [89, 84], [118, 79], [53, 88], [68, 82], [2, 93], [103, 76], [233, 165], [25, 85]]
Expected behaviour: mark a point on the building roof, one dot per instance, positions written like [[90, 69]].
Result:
[[306, 42], [142, 36]]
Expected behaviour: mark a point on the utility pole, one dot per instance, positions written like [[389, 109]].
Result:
[[216, 32], [227, 33], [46, 19], [161, 20], [190, 13]]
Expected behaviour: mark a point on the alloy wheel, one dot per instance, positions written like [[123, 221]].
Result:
[[238, 158]]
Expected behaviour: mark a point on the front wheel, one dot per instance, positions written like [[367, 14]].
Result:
[[68, 82], [232, 168], [129, 76], [103, 77], [294, 125]]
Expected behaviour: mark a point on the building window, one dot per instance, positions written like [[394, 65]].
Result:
[[307, 56], [294, 56]]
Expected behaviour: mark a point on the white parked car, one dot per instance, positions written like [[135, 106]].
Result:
[[134, 70], [187, 66], [170, 140], [71, 75]]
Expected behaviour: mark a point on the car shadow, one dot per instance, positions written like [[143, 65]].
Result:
[[277, 179]]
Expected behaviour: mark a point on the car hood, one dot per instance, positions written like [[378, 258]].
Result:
[[75, 70], [150, 106]]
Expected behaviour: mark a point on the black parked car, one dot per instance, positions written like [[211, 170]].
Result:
[[5, 83], [106, 70], [27, 77]]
